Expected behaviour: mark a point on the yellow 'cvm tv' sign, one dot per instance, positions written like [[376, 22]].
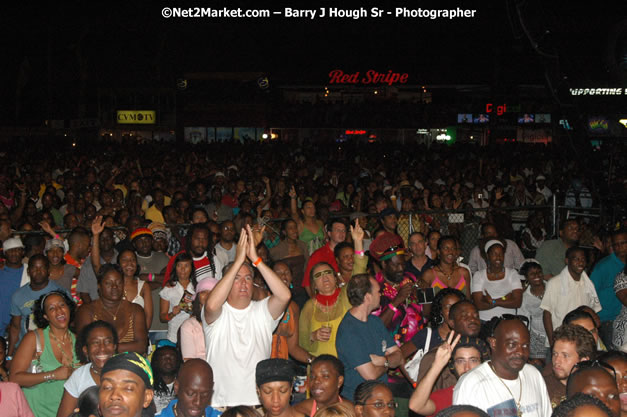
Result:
[[139, 117]]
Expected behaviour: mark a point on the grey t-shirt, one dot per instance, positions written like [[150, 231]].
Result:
[[224, 212], [65, 280], [87, 281], [153, 264]]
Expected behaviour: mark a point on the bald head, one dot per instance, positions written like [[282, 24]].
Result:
[[194, 388], [595, 381], [196, 367]]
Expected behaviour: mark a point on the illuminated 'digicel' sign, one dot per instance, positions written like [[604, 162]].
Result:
[[597, 91]]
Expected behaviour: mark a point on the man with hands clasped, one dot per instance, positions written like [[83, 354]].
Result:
[[239, 330]]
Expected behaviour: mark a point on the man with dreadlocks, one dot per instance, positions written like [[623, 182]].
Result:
[[166, 361], [200, 246]]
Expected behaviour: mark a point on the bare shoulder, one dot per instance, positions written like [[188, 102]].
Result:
[[304, 407], [135, 308], [296, 413], [85, 309], [427, 276], [295, 307], [463, 271], [29, 338]]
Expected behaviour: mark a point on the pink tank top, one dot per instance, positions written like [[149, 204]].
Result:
[[437, 282]]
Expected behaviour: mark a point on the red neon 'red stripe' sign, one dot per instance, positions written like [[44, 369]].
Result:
[[371, 77]]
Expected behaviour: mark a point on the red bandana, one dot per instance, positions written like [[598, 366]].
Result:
[[327, 300]]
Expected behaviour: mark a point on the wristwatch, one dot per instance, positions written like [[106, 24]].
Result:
[[387, 364]]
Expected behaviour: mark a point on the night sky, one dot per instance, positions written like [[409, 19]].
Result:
[[60, 49]]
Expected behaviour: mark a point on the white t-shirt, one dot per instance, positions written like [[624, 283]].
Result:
[[162, 401], [530, 308], [482, 388], [563, 294], [236, 342], [173, 295], [79, 381], [496, 289], [224, 254]]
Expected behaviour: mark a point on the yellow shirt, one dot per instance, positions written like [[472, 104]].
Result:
[[166, 202], [154, 215], [314, 316]]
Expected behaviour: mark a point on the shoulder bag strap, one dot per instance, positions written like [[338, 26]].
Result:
[[427, 347]]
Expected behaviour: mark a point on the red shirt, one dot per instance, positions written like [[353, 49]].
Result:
[[324, 254], [443, 398], [229, 200]]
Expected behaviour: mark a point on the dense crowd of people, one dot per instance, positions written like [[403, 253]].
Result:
[[264, 279]]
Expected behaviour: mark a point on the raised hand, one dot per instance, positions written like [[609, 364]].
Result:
[[45, 226], [293, 192], [258, 233], [251, 250], [242, 245], [357, 233], [445, 350], [97, 225]]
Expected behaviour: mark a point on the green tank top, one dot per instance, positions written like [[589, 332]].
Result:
[[44, 399], [313, 241]]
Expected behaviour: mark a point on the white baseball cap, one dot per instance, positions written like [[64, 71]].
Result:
[[12, 243]]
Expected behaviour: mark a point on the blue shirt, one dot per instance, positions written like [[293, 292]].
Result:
[[169, 410], [355, 342], [603, 279], [10, 279], [22, 303]]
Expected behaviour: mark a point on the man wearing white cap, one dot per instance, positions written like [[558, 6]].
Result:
[[542, 188], [10, 278]]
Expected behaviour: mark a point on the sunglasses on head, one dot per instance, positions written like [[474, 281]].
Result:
[[595, 364], [494, 323], [524, 319]]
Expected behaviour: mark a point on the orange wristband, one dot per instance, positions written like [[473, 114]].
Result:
[[257, 262]]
